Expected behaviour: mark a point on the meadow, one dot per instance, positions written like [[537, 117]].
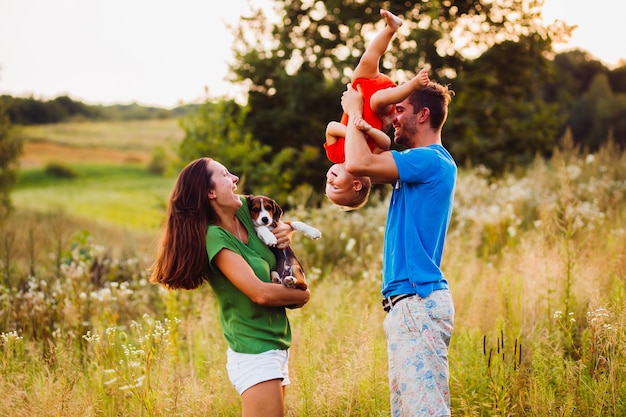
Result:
[[536, 261]]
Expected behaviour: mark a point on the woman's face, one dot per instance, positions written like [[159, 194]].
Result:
[[224, 185]]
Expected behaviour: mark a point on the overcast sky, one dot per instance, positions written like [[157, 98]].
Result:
[[163, 53]]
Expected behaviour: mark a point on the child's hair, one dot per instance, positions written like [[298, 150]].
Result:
[[359, 199]]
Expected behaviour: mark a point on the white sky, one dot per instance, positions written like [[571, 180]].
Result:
[[163, 53]]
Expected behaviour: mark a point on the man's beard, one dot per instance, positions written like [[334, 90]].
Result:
[[401, 139]]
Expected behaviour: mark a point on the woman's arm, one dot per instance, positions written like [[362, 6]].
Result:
[[237, 270]]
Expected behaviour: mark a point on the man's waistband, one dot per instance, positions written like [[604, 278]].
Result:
[[389, 302]]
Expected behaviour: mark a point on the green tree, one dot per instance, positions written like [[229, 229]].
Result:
[[597, 114], [502, 117], [298, 65], [217, 130], [10, 150]]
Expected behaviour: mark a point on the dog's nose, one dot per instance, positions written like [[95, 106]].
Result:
[[265, 219]]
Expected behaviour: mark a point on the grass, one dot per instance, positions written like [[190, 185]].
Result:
[[536, 262], [123, 195], [122, 135]]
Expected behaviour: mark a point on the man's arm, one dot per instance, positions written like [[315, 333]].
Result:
[[380, 167]]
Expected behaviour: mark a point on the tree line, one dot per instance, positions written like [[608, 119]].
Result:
[[33, 111]]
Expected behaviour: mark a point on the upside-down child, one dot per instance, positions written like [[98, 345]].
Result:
[[380, 94]]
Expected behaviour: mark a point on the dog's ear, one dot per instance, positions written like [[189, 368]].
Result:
[[278, 210], [249, 198]]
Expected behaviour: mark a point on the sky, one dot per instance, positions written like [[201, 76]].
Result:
[[164, 53]]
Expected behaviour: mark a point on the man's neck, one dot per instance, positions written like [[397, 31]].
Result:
[[427, 140]]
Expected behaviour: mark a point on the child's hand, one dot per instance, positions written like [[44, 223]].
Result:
[[361, 124]]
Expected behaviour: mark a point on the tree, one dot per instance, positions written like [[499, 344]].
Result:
[[502, 118], [597, 114], [217, 130], [10, 150], [298, 66]]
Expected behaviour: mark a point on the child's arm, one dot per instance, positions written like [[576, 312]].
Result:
[[382, 100], [334, 131], [382, 140]]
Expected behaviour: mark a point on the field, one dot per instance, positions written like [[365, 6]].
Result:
[[536, 262]]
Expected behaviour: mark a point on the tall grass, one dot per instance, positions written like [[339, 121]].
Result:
[[536, 262]]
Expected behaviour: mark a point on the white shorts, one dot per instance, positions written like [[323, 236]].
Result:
[[246, 370]]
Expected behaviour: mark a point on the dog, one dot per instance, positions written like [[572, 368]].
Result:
[[265, 214]]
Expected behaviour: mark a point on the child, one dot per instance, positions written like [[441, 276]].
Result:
[[380, 94]]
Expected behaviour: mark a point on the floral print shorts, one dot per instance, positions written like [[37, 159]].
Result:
[[418, 334]]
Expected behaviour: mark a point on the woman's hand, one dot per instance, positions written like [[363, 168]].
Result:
[[308, 295], [283, 233]]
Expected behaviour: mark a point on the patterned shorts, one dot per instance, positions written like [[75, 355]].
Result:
[[418, 334]]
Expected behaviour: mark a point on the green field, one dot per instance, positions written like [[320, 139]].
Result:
[[115, 189], [122, 195], [536, 263], [123, 135]]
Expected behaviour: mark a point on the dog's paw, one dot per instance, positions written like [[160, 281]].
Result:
[[309, 231], [266, 236], [275, 277], [314, 233], [290, 281]]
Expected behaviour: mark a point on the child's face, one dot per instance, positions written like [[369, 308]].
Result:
[[339, 184]]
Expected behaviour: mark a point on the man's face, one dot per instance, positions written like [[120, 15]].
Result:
[[405, 124]]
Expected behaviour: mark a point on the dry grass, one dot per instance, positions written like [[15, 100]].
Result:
[[97, 142]]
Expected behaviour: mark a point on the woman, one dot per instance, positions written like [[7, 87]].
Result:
[[209, 236]]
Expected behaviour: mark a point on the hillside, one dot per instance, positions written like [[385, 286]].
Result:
[[111, 142]]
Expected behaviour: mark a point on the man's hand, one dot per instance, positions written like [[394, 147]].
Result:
[[352, 102]]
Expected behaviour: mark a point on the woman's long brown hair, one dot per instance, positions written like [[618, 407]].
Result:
[[182, 261]]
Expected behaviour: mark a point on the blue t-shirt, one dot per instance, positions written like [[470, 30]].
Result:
[[417, 221]]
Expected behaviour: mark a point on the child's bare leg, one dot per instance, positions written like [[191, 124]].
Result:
[[368, 65]]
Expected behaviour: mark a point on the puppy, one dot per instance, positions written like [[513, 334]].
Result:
[[265, 214]]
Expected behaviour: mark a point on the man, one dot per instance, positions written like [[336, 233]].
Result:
[[415, 292]]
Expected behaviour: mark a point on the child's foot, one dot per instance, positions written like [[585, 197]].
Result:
[[393, 21], [422, 78]]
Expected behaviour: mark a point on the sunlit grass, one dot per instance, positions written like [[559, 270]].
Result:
[[125, 135], [536, 263], [124, 195]]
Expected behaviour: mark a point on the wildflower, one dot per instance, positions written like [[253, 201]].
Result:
[[91, 338], [557, 314], [110, 381]]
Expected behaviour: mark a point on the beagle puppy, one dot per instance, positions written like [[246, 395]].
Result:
[[265, 214]]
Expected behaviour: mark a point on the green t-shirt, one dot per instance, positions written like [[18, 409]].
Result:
[[247, 327]]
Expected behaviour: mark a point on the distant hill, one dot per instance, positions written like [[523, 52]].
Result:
[[31, 111]]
